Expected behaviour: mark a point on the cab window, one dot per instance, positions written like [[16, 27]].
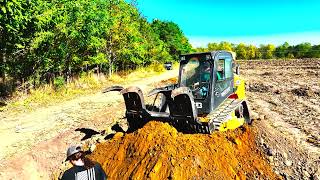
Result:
[[228, 67], [195, 74], [220, 69], [224, 67]]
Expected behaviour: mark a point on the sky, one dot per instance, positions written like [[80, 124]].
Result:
[[248, 21]]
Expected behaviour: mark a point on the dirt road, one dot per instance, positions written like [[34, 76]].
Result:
[[33, 144]]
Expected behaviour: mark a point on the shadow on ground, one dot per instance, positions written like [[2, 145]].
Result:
[[88, 133]]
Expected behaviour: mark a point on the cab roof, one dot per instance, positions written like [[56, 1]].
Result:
[[212, 53]]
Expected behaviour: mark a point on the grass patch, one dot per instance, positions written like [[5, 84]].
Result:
[[59, 91], [139, 73]]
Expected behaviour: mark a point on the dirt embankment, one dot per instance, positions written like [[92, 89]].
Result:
[[158, 151]]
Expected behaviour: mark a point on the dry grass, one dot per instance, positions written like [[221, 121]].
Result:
[[87, 84]]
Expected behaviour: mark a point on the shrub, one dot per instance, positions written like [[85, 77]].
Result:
[[58, 82], [157, 67]]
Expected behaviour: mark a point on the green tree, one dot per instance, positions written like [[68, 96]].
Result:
[[267, 51], [251, 51], [315, 51], [213, 46], [70, 35], [225, 46], [302, 50], [171, 34], [16, 30], [241, 51], [282, 51]]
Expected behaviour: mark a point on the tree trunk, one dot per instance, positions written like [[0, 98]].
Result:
[[101, 71], [110, 61], [98, 71], [110, 68], [3, 64]]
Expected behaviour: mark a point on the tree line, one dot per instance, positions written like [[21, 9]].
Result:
[[269, 51], [42, 39]]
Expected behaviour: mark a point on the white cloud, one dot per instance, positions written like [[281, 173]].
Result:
[[292, 39]]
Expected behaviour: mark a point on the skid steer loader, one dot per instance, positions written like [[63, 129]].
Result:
[[209, 96]]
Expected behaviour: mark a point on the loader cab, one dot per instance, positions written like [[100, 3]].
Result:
[[209, 76]]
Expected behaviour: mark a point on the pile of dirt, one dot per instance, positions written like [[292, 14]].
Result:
[[303, 91], [258, 87], [158, 151]]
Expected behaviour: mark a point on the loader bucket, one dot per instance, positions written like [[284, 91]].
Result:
[[134, 100], [113, 88], [136, 112], [183, 111], [135, 108]]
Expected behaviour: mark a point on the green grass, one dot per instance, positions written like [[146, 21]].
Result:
[[87, 84]]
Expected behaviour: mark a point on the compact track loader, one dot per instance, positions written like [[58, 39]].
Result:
[[209, 96]]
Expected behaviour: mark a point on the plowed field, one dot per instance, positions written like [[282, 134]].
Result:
[[285, 99]]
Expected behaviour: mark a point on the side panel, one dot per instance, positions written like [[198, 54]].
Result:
[[239, 84]]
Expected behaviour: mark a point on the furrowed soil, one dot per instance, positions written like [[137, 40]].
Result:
[[285, 101], [283, 142]]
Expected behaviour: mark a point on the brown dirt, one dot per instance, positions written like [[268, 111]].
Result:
[[158, 151], [285, 100]]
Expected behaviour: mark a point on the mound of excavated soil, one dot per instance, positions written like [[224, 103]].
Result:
[[158, 151]]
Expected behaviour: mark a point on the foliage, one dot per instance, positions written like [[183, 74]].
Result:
[[269, 51], [87, 83], [58, 82], [45, 41], [41, 40], [241, 51], [303, 50], [172, 36]]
